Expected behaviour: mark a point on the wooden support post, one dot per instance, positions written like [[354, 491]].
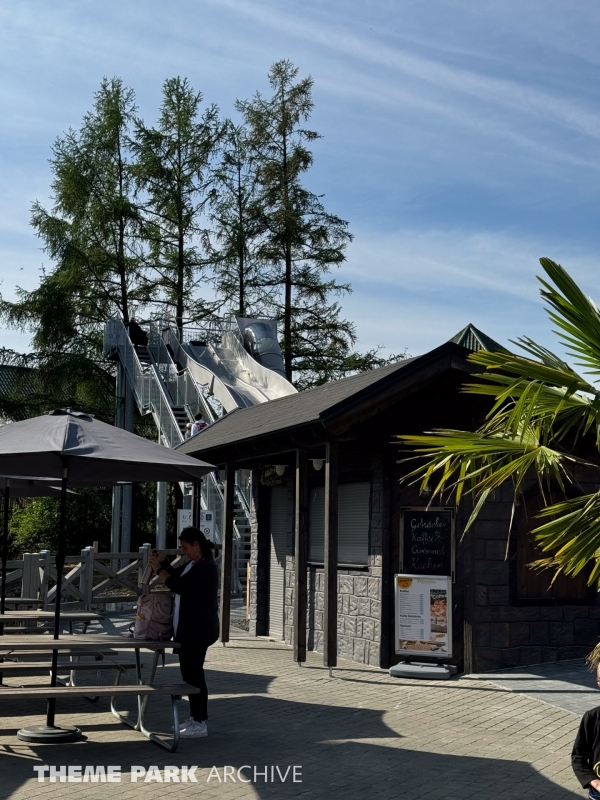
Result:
[[45, 566], [300, 555], [26, 580], [388, 568], [86, 582], [227, 550], [331, 556]]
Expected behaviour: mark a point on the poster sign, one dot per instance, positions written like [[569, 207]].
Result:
[[184, 519], [424, 615], [427, 541], [207, 522]]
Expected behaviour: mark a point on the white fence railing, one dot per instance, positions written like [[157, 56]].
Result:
[[90, 578]]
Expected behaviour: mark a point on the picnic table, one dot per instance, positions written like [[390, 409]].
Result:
[[24, 615], [12, 645]]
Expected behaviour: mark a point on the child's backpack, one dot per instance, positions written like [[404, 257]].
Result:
[[154, 617]]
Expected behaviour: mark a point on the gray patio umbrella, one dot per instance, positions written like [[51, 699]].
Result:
[[18, 487], [82, 451]]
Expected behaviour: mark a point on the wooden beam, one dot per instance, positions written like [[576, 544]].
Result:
[[263, 553], [227, 550], [300, 555], [331, 555]]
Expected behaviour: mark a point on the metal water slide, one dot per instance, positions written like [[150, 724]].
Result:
[[210, 372], [226, 371]]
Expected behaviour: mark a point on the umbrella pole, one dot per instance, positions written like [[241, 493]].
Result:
[[51, 733], [60, 563]]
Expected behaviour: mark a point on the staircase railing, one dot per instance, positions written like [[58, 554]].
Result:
[[146, 381], [158, 387]]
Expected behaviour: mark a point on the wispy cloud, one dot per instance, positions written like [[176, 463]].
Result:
[[507, 93], [461, 138], [416, 288]]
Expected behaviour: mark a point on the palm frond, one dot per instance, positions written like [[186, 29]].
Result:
[[575, 314], [481, 462], [572, 536], [541, 409]]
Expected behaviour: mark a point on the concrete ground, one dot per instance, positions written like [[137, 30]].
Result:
[[567, 684], [360, 734]]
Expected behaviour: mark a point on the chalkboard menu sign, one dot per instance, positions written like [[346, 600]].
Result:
[[427, 541]]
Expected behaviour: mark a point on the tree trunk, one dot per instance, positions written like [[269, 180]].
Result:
[[287, 316], [241, 248], [287, 312], [121, 245], [180, 274]]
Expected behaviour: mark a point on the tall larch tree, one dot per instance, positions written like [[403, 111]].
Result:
[[302, 240], [173, 175]]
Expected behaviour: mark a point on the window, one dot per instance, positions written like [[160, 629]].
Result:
[[353, 523]]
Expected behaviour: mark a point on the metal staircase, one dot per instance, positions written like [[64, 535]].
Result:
[[162, 388]]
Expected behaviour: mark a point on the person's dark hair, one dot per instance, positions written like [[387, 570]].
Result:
[[198, 416], [192, 535]]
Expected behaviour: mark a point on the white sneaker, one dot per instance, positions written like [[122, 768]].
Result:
[[184, 723], [195, 730]]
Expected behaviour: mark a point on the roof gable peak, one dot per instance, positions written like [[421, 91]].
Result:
[[475, 340]]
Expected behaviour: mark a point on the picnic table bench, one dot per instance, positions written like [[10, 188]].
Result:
[[24, 669], [95, 644], [173, 690], [23, 601]]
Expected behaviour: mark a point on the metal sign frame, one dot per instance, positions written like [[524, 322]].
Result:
[[424, 647], [452, 511]]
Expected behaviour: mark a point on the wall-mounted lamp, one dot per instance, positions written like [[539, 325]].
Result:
[[280, 469], [317, 463]]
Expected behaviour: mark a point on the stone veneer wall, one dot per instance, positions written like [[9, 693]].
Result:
[[359, 597], [259, 563]]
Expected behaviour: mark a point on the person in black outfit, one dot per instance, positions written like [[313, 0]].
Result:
[[137, 334], [196, 618], [585, 758]]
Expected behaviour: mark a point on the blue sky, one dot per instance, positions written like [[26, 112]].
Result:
[[461, 140]]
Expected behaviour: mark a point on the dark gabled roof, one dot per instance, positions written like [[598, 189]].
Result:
[[323, 405], [475, 340]]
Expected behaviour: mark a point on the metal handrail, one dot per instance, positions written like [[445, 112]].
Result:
[[147, 382], [158, 387]]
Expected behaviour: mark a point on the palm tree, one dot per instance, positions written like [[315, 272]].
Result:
[[543, 425]]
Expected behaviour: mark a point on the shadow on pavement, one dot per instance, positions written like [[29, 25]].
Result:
[[344, 752]]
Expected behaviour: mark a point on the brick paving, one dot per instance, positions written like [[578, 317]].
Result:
[[360, 734], [566, 684]]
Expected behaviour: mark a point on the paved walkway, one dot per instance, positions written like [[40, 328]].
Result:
[[360, 735], [568, 684]]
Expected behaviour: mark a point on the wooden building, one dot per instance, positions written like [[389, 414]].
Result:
[[327, 508]]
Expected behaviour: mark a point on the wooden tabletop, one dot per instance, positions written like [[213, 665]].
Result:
[[23, 601], [80, 641], [42, 616]]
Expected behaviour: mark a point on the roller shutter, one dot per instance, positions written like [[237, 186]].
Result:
[[353, 523], [278, 529]]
